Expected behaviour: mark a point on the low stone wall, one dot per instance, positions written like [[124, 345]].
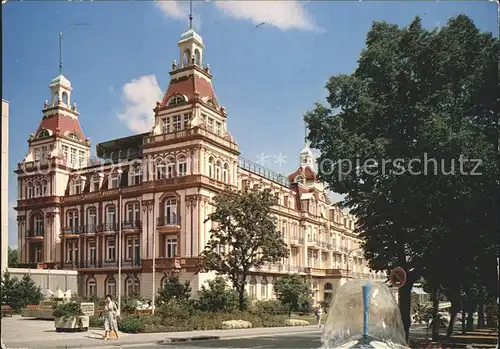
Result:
[[42, 314]]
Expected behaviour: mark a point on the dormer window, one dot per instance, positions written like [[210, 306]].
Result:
[[43, 133], [136, 175], [114, 180], [300, 179], [177, 99], [73, 136], [76, 186], [96, 183]]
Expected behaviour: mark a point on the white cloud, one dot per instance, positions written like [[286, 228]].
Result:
[[279, 13], [172, 8], [139, 98]]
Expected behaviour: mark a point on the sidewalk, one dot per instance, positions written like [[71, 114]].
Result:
[[18, 332]]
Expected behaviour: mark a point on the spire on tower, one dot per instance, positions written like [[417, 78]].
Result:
[[60, 52], [190, 14]]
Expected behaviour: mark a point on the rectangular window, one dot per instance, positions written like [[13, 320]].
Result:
[[110, 250], [133, 213], [43, 153], [177, 122], [76, 187], [114, 181], [218, 128], [136, 176], [73, 157], [65, 150], [130, 249], [72, 220], [92, 253], [96, 183], [111, 215], [37, 154], [165, 126], [171, 247], [81, 158], [263, 291], [186, 119], [210, 125]]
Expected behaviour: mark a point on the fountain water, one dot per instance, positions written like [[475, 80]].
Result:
[[364, 314]]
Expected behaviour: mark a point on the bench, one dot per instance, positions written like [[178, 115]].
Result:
[[32, 306], [7, 311]]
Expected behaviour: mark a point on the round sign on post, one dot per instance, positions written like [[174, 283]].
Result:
[[398, 277]]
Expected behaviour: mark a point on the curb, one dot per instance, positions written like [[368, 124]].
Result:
[[187, 339]]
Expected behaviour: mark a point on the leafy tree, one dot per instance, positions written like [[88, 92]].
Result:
[[13, 257], [293, 291], [415, 94], [243, 236], [174, 289], [217, 296]]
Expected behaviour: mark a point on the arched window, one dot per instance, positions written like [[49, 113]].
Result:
[[45, 187], [91, 219], [38, 189], [91, 287], [111, 286], [43, 133], [65, 98], [30, 193], [177, 99], [218, 169], [170, 167], [225, 173], [263, 286], [253, 287], [182, 165], [136, 175], [197, 57], [170, 211], [37, 224], [187, 57], [161, 168], [132, 286], [211, 167]]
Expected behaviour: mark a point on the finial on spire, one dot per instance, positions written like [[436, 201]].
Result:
[[190, 14], [60, 52]]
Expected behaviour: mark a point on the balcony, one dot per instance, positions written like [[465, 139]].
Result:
[[108, 227], [168, 221], [35, 233], [90, 264], [81, 229], [171, 264], [131, 225]]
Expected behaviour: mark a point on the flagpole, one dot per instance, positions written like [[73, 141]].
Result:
[[154, 260], [120, 253]]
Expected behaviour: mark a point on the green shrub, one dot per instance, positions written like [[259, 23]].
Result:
[[96, 321], [217, 297], [272, 307], [68, 310], [176, 309], [140, 324], [129, 304], [173, 289]]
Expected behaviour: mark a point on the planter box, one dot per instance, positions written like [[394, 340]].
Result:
[[38, 313], [72, 324]]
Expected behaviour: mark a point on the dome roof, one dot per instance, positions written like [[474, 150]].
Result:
[[191, 34], [60, 80]]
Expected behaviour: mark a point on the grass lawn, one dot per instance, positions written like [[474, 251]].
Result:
[[309, 317]]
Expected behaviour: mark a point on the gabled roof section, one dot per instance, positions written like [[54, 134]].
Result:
[[191, 86]]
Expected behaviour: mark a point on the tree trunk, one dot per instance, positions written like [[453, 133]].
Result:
[[404, 298], [241, 298], [470, 319], [455, 308], [480, 314], [436, 322]]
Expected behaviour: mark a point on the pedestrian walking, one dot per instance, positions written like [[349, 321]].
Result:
[[319, 313], [110, 318]]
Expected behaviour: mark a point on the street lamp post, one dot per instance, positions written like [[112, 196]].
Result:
[[119, 253], [349, 257]]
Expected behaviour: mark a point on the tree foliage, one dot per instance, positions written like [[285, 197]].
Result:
[[19, 293], [293, 291], [417, 95], [173, 289], [13, 257], [243, 236]]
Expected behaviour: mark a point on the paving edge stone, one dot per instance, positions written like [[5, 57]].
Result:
[[188, 339]]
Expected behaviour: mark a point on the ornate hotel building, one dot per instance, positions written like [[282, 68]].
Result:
[[149, 195]]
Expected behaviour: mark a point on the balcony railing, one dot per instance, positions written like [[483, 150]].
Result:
[[168, 220], [132, 225], [90, 264], [35, 232]]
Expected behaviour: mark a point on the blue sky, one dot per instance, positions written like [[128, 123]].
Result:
[[266, 77]]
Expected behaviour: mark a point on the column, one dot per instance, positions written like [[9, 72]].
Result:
[[186, 228]]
